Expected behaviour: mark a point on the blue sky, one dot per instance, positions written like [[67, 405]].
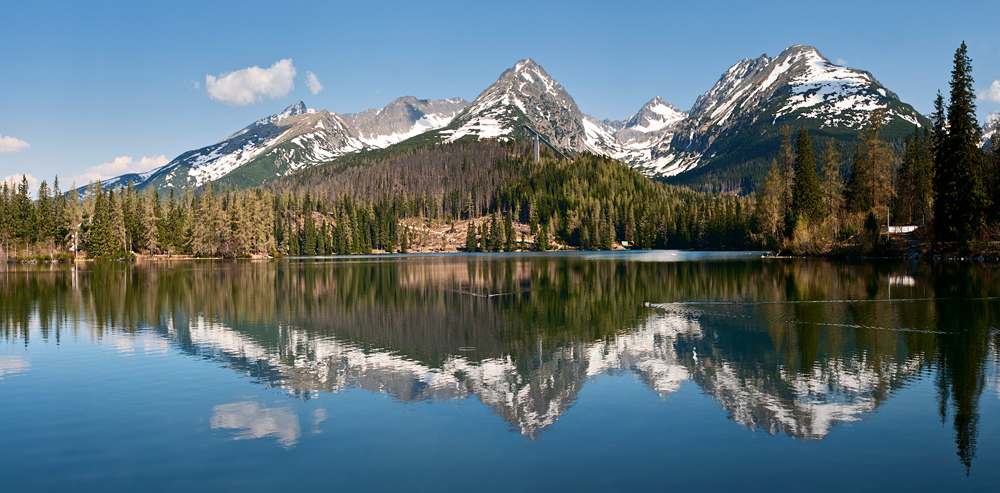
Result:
[[117, 85]]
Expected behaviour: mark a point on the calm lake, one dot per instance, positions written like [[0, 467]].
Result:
[[501, 372]]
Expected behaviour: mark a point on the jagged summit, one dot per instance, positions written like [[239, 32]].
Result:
[[295, 109], [523, 94], [656, 114]]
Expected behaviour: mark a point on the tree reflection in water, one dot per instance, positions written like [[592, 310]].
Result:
[[785, 346]]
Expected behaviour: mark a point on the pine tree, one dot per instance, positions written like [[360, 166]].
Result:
[[807, 198], [543, 237], [6, 220], [470, 237], [832, 187], [960, 185], [915, 178], [25, 218], [45, 217], [786, 167], [769, 213], [150, 229], [496, 235], [117, 224], [308, 247], [870, 187], [208, 223]]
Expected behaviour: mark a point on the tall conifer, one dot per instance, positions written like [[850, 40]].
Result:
[[807, 198], [959, 185]]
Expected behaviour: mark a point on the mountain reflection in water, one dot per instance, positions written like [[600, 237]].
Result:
[[428, 328]]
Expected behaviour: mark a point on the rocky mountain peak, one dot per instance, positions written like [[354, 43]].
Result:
[[523, 94], [656, 114]]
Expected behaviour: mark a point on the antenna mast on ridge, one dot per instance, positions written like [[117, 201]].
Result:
[[537, 137]]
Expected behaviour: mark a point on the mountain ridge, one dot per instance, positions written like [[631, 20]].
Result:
[[732, 125]]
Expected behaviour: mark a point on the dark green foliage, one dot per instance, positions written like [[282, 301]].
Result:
[[470, 238], [915, 178], [959, 184], [807, 197], [575, 199]]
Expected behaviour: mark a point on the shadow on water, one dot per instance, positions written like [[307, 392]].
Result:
[[784, 346]]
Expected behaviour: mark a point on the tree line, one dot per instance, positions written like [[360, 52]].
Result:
[[943, 181], [358, 207]]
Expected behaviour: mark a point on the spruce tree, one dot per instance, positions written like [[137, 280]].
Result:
[[510, 234], [960, 185], [542, 241], [807, 197], [117, 222], [470, 237], [45, 215]]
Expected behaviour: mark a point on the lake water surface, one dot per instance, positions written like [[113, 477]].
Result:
[[501, 372]]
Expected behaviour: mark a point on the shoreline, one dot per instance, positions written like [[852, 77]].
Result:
[[139, 258]]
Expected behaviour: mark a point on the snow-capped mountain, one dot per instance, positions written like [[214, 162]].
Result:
[[990, 130], [641, 139], [736, 119], [403, 118], [524, 94], [799, 88], [728, 135], [294, 139], [527, 94]]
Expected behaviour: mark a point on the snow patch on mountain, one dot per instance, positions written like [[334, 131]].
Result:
[[483, 128], [840, 87], [990, 130]]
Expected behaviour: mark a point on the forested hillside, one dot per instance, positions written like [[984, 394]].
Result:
[[940, 182], [382, 201]]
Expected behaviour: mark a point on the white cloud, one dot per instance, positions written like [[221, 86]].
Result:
[[250, 85], [991, 94], [251, 420], [841, 61], [313, 82], [14, 181], [120, 166], [13, 144]]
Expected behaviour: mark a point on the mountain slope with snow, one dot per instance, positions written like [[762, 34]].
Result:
[[724, 142], [523, 95], [294, 139], [990, 131], [403, 118], [737, 123]]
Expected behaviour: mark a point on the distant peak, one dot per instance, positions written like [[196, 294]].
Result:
[[524, 64], [801, 50], [295, 109]]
